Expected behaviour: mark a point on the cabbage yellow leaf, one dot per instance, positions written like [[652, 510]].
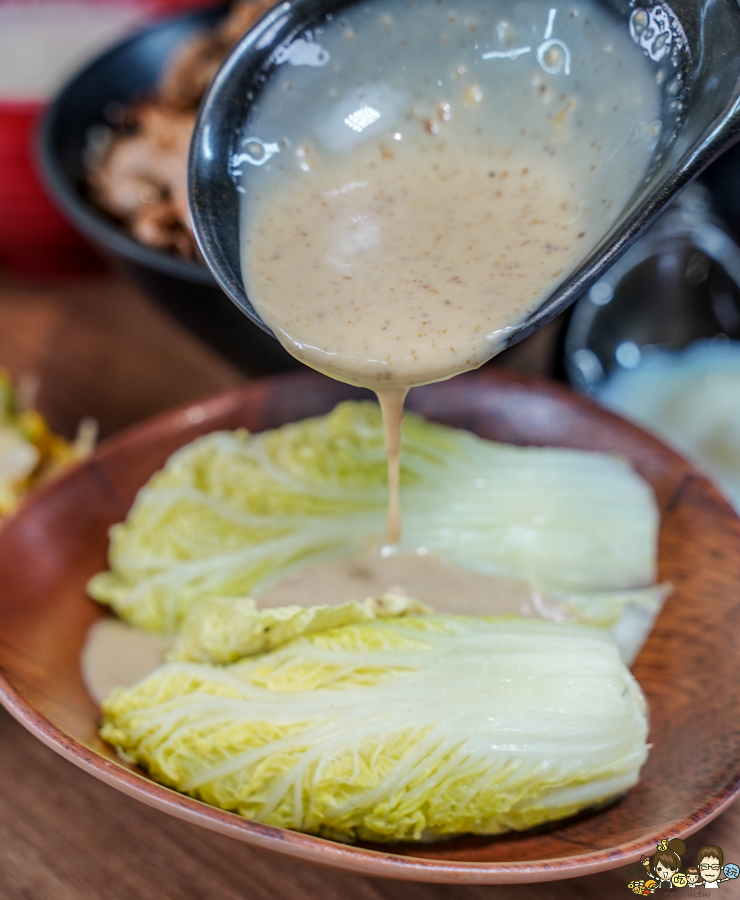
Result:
[[408, 728]]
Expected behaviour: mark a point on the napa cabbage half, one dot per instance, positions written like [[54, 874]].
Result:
[[232, 512], [396, 729]]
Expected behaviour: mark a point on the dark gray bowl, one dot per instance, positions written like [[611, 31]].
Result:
[[700, 117], [678, 284], [126, 72]]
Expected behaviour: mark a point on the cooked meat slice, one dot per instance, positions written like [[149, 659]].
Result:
[[142, 178], [190, 71], [121, 184], [159, 225], [169, 136], [149, 166], [240, 20]]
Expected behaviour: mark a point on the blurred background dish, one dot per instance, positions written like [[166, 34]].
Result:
[[657, 339], [42, 42], [680, 282], [136, 166], [130, 71], [690, 399]]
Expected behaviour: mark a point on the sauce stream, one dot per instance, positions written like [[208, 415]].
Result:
[[391, 404]]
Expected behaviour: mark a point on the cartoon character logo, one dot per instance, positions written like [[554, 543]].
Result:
[[667, 861], [692, 876], [643, 887], [709, 872]]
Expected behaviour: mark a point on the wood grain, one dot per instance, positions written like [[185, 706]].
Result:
[[98, 348], [67, 836]]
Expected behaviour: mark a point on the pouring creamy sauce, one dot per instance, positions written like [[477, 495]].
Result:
[[403, 289], [418, 178]]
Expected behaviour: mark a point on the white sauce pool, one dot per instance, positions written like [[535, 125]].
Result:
[[117, 654]]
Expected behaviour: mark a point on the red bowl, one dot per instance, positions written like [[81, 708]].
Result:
[[35, 239]]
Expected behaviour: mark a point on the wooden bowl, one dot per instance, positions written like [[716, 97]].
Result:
[[689, 668]]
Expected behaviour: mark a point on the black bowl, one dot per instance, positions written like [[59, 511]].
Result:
[[700, 117], [127, 72], [679, 283]]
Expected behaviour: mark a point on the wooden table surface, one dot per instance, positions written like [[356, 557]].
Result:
[[100, 349]]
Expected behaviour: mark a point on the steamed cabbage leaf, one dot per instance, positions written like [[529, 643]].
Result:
[[232, 512], [225, 629], [396, 729]]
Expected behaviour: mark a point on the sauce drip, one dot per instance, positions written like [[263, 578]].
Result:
[[118, 655], [391, 404]]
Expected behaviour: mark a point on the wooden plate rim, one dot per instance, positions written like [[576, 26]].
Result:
[[359, 860]]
